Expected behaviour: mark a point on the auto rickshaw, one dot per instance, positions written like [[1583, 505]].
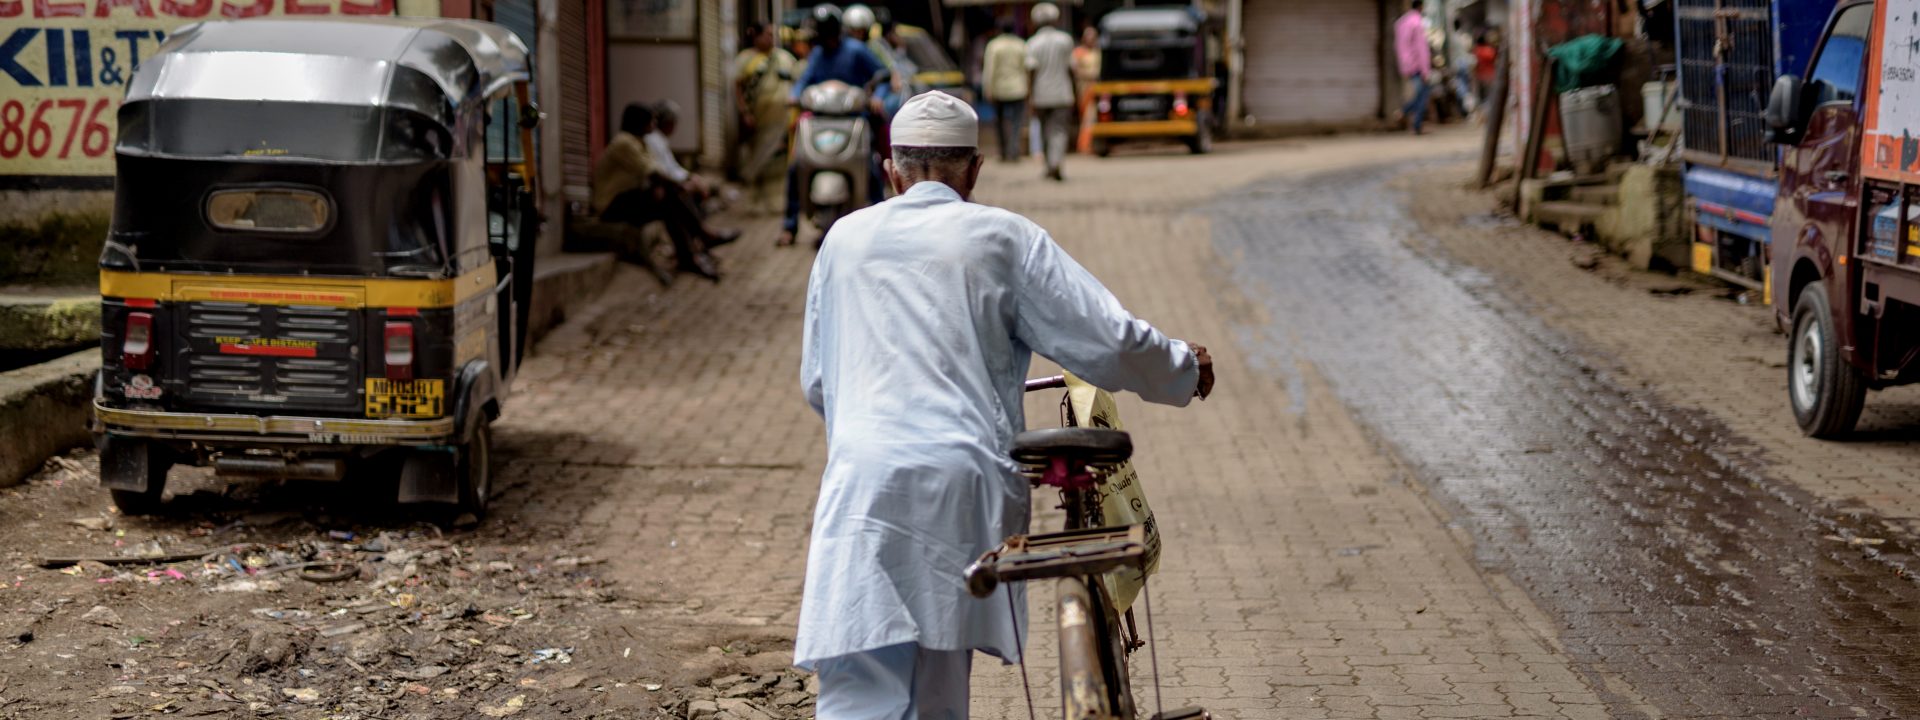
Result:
[[937, 71], [320, 257], [1155, 79]]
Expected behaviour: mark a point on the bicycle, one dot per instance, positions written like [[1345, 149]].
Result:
[[1094, 680]]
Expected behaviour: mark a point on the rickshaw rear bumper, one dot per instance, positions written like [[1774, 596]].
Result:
[[271, 429], [1146, 128]]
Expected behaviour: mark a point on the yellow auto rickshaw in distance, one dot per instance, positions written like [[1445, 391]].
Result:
[[321, 255], [1155, 79]]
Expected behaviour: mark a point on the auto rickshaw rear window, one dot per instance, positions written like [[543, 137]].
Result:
[[270, 210], [279, 131]]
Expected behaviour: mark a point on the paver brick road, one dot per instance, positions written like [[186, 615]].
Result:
[[1305, 575]]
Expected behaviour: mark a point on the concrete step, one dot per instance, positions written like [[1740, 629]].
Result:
[[44, 410], [564, 282], [1595, 194], [1567, 216], [48, 319]]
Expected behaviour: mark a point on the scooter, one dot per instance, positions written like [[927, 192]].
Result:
[[833, 142]]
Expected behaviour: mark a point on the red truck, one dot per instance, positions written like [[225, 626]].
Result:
[[1846, 222]]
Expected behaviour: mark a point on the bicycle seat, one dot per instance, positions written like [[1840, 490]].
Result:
[[1086, 446]]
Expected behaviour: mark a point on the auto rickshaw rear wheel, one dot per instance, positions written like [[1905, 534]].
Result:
[[476, 471], [148, 501], [1102, 147], [1202, 141]]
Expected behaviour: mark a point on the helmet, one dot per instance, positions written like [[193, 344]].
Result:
[[859, 20], [826, 21]]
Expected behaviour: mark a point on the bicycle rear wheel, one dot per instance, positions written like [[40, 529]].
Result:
[[1093, 655]]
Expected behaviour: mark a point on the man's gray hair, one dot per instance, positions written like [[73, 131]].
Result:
[[924, 162], [666, 112]]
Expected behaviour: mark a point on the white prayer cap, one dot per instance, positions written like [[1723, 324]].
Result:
[[1045, 13], [936, 119]]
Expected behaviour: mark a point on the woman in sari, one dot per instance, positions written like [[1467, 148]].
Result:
[[763, 79]]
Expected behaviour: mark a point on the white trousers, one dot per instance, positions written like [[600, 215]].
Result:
[[896, 682]]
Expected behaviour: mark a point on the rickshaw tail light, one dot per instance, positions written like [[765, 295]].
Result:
[[1180, 104], [399, 340], [136, 353], [1106, 108]]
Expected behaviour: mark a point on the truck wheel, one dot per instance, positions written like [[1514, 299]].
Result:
[[141, 502], [475, 470], [1827, 393]]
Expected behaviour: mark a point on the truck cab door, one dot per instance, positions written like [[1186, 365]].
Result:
[[1822, 169]]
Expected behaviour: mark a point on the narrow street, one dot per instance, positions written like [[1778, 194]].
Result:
[[1446, 473]]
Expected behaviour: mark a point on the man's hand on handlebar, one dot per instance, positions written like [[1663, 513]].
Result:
[[1205, 387]]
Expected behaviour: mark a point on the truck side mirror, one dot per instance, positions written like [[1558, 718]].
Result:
[[1785, 119]]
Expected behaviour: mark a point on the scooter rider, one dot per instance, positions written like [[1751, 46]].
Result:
[[832, 59]]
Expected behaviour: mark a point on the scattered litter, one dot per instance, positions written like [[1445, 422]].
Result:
[[301, 695], [552, 655], [101, 615], [347, 629], [92, 523], [512, 706], [248, 586]]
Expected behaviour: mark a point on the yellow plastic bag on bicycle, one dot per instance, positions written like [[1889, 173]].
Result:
[[1122, 500]]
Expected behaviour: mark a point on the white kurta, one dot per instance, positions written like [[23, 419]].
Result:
[[922, 315]]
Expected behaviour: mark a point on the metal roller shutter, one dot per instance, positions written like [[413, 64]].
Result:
[[518, 16], [1312, 61], [576, 153]]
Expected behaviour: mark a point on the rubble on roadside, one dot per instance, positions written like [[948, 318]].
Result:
[[244, 608]]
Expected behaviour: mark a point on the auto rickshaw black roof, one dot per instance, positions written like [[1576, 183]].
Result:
[[427, 65], [360, 120]]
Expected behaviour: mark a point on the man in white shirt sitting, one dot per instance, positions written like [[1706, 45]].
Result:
[[694, 190]]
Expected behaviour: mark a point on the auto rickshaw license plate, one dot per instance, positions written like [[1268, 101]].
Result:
[[405, 398]]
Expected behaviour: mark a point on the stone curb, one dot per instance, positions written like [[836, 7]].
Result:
[[44, 410]]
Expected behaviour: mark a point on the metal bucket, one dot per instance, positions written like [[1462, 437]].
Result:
[[1590, 121]]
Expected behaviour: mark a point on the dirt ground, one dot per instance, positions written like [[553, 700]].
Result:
[[305, 602]]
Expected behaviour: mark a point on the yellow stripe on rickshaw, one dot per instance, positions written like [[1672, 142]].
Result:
[[299, 290]]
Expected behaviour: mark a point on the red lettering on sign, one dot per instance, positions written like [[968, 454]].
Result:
[[12, 8], [296, 7], [259, 7], [37, 132], [103, 8], [197, 8], [378, 7], [49, 8]]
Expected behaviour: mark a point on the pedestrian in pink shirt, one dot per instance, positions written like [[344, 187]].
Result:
[[1416, 62]]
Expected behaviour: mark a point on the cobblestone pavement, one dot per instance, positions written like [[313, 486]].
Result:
[[1742, 381], [1305, 575], [1413, 496], [1665, 558]]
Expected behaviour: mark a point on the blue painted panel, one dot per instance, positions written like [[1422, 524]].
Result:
[[1734, 190], [1797, 25], [1750, 231]]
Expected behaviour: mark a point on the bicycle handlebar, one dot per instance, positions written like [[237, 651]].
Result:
[[1047, 383]]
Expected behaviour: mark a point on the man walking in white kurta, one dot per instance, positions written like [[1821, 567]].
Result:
[[922, 315]]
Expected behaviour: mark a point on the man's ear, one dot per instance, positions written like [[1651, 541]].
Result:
[[973, 175], [893, 176]]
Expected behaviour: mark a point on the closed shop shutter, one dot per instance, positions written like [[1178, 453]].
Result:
[[1311, 61], [518, 16], [576, 152]]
